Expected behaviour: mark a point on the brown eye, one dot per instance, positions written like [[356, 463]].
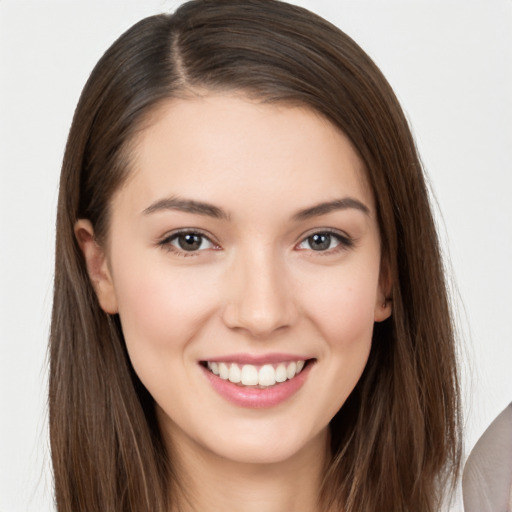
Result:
[[190, 241], [326, 241], [320, 241], [187, 242]]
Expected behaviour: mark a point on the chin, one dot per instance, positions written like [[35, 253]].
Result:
[[264, 446]]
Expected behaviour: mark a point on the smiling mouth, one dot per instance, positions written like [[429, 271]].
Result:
[[257, 376]]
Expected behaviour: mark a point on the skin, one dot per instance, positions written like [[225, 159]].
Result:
[[255, 286]]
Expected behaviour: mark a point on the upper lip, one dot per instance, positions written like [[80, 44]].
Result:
[[258, 359]]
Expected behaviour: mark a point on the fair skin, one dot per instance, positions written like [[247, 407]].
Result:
[[255, 277]]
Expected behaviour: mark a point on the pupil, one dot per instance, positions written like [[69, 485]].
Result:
[[320, 241], [189, 242]]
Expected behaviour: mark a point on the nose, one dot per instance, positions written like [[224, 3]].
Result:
[[259, 297]]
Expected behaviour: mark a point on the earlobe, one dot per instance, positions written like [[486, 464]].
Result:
[[384, 304], [97, 266], [383, 309]]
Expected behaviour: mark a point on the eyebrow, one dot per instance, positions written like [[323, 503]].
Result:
[[202, 208], [330, 206], [188, 206]]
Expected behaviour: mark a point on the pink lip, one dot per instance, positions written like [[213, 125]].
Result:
[[254, 397], [258, 360]]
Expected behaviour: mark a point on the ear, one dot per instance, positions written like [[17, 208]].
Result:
[[97, 266], [384, 303]]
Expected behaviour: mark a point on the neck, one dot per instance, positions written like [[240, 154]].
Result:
[[208, 482]]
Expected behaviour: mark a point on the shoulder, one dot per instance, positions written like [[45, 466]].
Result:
[[487, 478]]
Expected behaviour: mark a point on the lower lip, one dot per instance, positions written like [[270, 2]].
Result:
[[257, 398]]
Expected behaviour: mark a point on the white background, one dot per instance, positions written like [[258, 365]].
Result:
[[450, 63]]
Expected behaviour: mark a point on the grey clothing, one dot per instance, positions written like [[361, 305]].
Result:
[[487, 479]]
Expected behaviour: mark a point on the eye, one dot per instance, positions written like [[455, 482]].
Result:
[[325, 241], [187, 241]]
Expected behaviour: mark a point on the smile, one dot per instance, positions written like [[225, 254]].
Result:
[[257, 382], [262, 376]]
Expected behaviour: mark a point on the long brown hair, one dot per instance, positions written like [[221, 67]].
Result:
[[396, 440]]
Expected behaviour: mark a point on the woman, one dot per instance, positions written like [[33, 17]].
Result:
[[249, 307]]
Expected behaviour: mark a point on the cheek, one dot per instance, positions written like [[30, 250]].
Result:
[[343, 306], [160, 307], [342, 310], [161, 311]]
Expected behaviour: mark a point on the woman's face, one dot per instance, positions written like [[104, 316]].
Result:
[[244, 245]]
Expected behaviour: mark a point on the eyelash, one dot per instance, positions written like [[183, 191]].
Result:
[[166, 243], [344, 242]]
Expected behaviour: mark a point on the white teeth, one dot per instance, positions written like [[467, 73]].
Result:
[[223, 371], [234, 373], [281, 373], [267, 375], [249, 375], [290, 370]]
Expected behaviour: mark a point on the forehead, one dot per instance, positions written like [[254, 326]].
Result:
[[240, 153]]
